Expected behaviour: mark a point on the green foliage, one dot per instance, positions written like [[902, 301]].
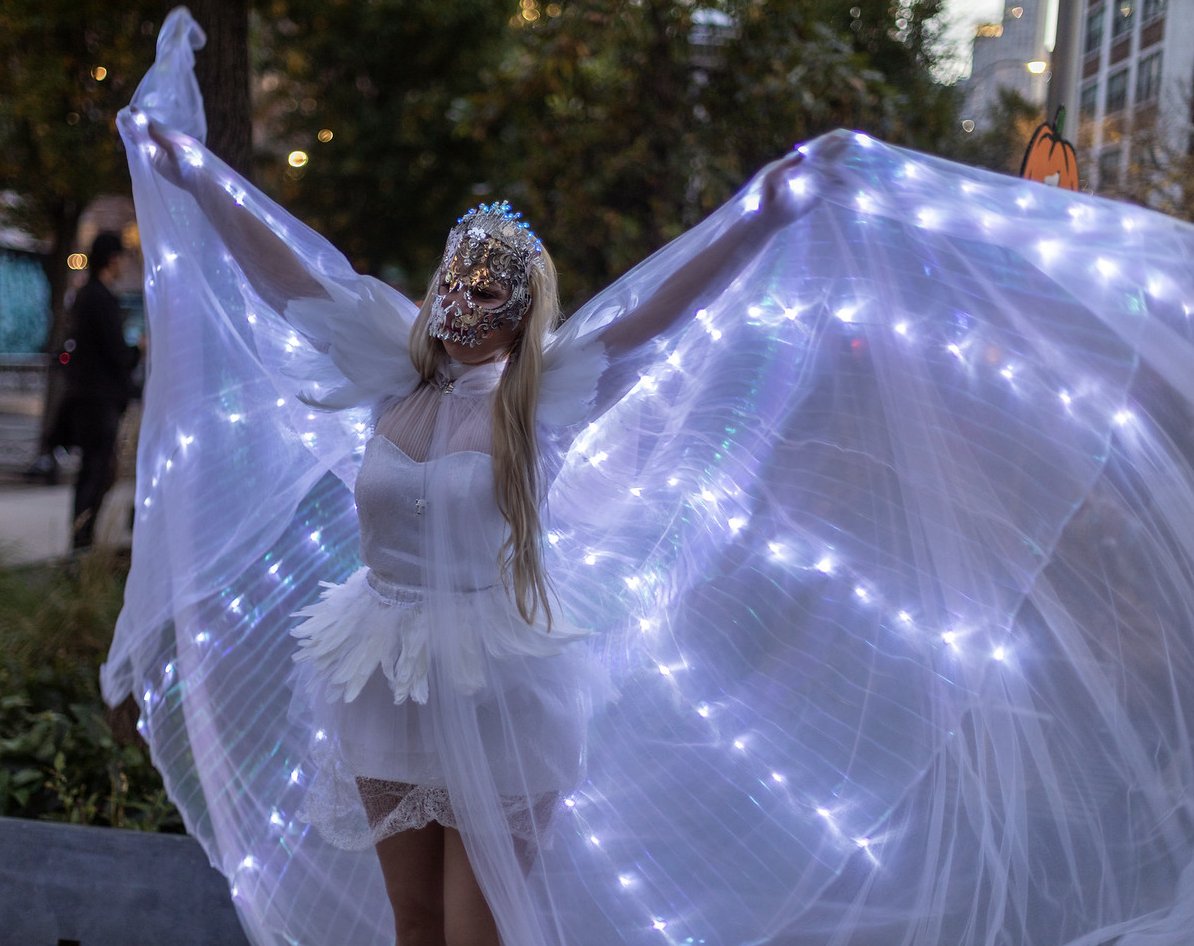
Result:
[[614, 124], [1000, 142], [387, 78], [59, 756], [68, 68]]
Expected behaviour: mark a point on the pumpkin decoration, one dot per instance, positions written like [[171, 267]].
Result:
[[1050, 159]]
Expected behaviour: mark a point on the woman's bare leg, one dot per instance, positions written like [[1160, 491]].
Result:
[[468, 921], [412, 863]]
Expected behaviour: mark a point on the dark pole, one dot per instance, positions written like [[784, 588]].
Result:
[[1065, 60]]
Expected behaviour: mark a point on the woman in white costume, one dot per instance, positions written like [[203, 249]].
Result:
[[871, 495]]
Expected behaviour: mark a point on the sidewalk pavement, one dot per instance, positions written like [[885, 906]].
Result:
[[34, 522]]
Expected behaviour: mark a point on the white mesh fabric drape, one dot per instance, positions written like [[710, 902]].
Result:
[[888, 552]]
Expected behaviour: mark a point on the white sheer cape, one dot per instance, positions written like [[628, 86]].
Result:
[[888, 551]]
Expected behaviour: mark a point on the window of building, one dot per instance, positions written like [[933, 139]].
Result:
[[1123, 18], [1109, 169], [1088, 102], [1151, 9], [1094, 30], [1148, 78], [1117, 91]]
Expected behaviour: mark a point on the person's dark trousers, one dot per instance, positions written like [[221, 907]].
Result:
[[95, 422]]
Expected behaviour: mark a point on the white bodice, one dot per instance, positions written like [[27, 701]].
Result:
[[405, 505]]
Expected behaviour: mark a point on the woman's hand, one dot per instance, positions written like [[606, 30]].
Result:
[[173, 153], [778, 202]]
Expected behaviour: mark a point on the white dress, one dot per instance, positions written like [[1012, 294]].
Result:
[[366, 648]]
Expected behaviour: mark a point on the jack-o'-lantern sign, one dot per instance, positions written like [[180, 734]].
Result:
[[1050, 159]]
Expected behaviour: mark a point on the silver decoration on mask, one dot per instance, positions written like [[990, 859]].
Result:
[[490, 248]]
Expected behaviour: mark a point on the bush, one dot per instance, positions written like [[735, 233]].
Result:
[[63, 755]]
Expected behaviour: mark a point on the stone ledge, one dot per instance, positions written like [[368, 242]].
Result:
[[67, 885]]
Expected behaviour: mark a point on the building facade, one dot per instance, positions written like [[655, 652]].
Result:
[[1131, 85], [1010, 55]]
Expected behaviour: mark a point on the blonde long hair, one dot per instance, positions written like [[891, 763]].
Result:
[[517, 475]]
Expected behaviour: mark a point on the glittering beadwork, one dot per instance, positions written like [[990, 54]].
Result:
[[491, 246]]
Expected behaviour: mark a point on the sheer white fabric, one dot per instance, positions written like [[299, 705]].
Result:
[[887, 547]]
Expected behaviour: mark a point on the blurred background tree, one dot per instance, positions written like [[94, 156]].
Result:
[[365, 98], [614, 124], [1004, 137], [68, 65]]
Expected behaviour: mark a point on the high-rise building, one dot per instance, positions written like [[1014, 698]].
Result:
[[1129, 82], [1010, 55]]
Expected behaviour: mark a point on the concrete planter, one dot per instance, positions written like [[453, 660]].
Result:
[[66, 885]]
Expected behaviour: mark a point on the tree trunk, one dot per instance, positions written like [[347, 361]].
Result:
[[222, 68]]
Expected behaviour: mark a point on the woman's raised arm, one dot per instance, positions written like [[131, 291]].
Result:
[[708, 272]]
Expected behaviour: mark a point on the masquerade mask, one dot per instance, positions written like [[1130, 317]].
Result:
[[490, 248]]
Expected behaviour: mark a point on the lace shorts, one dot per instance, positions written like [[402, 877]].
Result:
[[391, 807]]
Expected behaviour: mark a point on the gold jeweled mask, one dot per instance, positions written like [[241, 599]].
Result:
[[489, 247]]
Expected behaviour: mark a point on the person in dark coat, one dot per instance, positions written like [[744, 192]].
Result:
[[99, 382]]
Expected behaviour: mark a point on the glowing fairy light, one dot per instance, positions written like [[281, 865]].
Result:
[[590, 558], [999, 653], [864, 843], [646, 624], [778, 551], [703, 711], [169, 465], [739, 745], [295, 775], [234, 604], [825, 813], [147, 696], [147, 502], [249, 863], [1048, 250], [633, 582], [862, 594], [929, 218], [950, 639], [956, 350], [625, 880], [664, 670], [673, 481], [280, 402], [751, 203], [707, 495], [904, 617], [1008, 372], [864, 140], [846, 313], [736, 523], [1024, 201], [1122, 418], [824, 565], [901, 328], [865, 202], [315, 536], [273, 569], [754, 311], [594, 840], [1107, 268], [235, 418], [276, 819], [320, 735], [635, 491], [185, 440], [202, 637], [778, 778], [570, 802], [798, 186], [1065, 397], [659, 924]]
